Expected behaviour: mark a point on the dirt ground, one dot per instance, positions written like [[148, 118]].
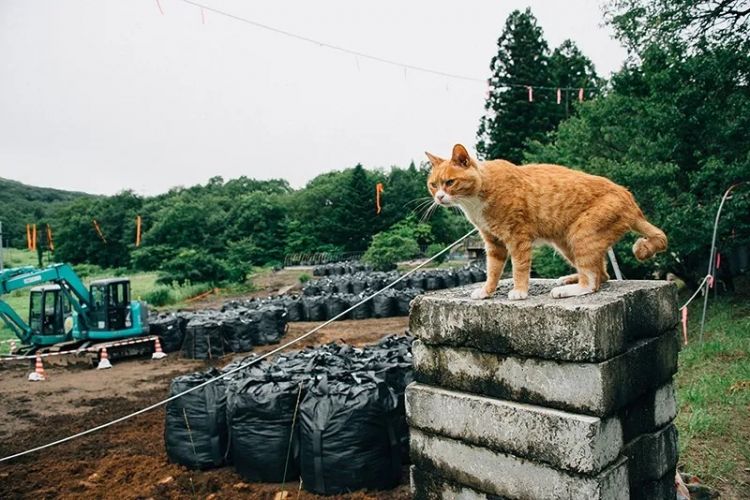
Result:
[[128, 460]]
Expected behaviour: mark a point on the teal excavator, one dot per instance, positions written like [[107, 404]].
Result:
[[63, 311]]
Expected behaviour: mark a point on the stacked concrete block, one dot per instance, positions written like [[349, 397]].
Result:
[[545, 398]]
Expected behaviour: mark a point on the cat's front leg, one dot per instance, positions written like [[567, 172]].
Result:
[[497, 254], [520, 257]]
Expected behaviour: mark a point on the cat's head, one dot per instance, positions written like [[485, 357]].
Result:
[[454, 179]]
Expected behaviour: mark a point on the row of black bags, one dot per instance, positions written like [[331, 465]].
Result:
[[431, 279], [340, 268], [209, 334], [332, 415]]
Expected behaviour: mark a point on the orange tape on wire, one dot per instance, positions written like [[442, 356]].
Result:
[[378, 191]]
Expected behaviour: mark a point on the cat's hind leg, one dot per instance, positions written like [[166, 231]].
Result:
[[575, 290], [568, 279]]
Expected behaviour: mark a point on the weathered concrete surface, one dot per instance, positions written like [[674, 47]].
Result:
[[648, 413], [651, 456], [509, 476], [590, 328], [570, 441], [426, 486], [592, 388]]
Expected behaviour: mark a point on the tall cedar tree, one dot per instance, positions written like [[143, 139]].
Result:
[[523, 58], [510, 119]]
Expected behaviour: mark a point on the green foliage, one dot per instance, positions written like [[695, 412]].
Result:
[[77, 241], [160, 296], [546, 263], [304, 278], [24, 204], [523, 58], [194, 265], [679, 149], [641, 23], [398, 243], [434, 248]]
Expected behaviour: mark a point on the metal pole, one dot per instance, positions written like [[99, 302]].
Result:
[[2, 263]]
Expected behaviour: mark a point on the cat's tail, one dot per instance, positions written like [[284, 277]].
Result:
[[655, 240]]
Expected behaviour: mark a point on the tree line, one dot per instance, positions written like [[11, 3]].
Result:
[[671, 125]]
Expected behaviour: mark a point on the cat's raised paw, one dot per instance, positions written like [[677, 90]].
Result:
[[479, 294], [517, 295]]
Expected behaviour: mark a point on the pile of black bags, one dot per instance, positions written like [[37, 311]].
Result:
[[209, 334], [326, 298], [332, 415], [339, 268]]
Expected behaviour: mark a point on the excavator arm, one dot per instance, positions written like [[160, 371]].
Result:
[[14, 322], [22, 277]]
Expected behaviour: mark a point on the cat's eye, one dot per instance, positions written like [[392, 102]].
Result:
[[433, 185], [449, 182]]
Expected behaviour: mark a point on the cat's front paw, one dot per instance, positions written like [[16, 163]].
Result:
[[518, 294], [479, 294]]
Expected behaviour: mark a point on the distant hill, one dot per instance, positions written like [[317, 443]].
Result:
[[21, 204]]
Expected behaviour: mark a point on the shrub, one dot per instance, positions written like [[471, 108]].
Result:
[[159, 296], [304, 278]]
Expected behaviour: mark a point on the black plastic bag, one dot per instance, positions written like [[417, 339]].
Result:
[[363, 311], [384, 305], [203, 339], [167, 327], [272, 324], [195, 426], [239, 331], [294, 309], [348, 436], [262, 441], [315, 308], [336, 304], [403, 300]]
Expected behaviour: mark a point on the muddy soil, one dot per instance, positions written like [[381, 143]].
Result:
[[128, 460]]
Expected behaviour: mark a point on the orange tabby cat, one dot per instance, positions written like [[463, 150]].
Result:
[[517, 207]]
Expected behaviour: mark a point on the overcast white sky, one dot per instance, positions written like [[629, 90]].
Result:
[[105, 95]]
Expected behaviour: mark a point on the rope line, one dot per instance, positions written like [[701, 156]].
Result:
[[697, 291], [291, 437], [240, 367], [356, 53]]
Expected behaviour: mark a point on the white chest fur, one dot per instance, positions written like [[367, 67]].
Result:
[[473, 208]]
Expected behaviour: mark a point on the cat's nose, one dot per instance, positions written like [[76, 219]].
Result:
[[440, 196]]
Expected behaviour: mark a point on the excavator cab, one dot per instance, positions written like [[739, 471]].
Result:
[[110, 304], [49, 314]]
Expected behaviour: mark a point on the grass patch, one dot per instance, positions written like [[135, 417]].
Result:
[[713, 391]]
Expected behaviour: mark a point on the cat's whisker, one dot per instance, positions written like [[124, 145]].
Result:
[[422, 205], [420, 200]]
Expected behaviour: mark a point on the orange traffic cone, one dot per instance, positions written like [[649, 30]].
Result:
[[38, 374], [103, 360], [158, 353]]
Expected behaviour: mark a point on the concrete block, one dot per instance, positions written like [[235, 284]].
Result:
[[426, 486], [569, 441], [505, 475], [590, 328], [592, 388], [651, 456], [648, 413]]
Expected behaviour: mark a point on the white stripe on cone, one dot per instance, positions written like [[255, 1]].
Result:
[[38, 374], [103, 360], [158, 353]]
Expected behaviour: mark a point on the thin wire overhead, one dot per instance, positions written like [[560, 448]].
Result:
[[358, 54]]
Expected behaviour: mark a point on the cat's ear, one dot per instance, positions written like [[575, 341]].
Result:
[[434, 159], [460, 156]]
